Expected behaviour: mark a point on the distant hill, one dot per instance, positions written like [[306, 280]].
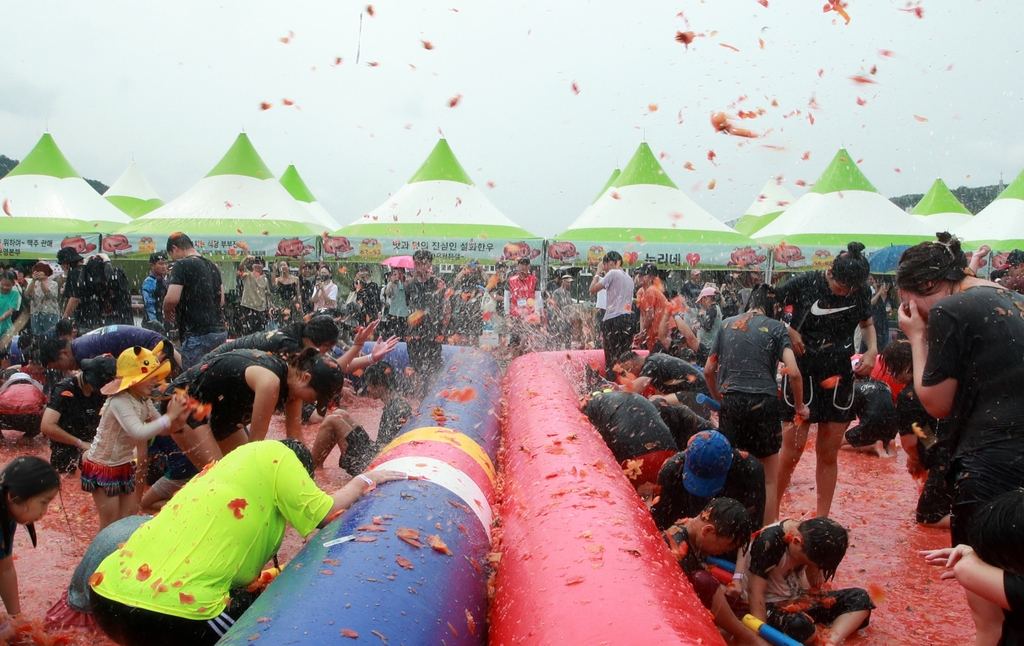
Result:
[[7, 165], [974, 199]]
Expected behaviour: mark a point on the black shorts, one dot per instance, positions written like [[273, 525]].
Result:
[[752, 422], [827, 405], [64, 457], [136, 626], [800, 625], [617, 339], [937, 497], [360, 452], [977, 479], [868, 432]]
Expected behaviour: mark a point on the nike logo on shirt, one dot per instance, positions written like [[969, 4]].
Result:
[[820, 311]]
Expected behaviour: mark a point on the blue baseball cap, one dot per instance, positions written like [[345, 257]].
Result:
[[708, 459]]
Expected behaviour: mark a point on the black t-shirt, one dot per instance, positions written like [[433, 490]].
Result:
[[872, 402], [426, 296], [768, 550], [978, 339], [198, 311], [826, 322], [749, 350], [690, 561], [220, 381], [368, 298], [1013, 619], [79, 413], [394, 416], [286, 341], [629, 424], [744, 483], [682, 422], [673, 375]]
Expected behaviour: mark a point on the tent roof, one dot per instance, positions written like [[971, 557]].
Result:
[[45, 159], [768, 205], [644, 204], [46, 195], [239, 196], [1001, 223], [441, 164], [292, 182], [439, 201], [844, 206], [939, 199], [611, 180], [842, 174], [132, 193], [242, 159], [296, 187]]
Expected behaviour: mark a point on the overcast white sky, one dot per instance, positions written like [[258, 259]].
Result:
[[173, 83]]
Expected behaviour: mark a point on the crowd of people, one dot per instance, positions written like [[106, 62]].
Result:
[[707, 400]]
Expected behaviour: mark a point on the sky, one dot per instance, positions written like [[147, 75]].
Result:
[[552, 96]]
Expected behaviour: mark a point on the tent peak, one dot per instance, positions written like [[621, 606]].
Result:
[[441, 165], [45, 158], [842, 174], [242, 159], [643, 168]]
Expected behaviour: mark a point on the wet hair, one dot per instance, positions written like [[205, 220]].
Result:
[[1015, 257], [380, 374], [825, 543], [320, 330], [50, 348], [301, 452], [24, 478], [613, 256], [850, 267], [157, 257], [924, 267], [899, 357], [730, 519], [423, 255], [8, 276], [180, 241], [997, 532], [304, 360], [762, 298], [64, 327], [628, 357]]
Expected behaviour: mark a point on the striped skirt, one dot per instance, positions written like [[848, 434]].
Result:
[[114, 481]]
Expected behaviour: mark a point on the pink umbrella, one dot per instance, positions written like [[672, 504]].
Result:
[[405, 262]]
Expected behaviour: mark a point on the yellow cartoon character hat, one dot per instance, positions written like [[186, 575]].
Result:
[[136, 365]]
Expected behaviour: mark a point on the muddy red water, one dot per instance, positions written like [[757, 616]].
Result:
[[875, 500]]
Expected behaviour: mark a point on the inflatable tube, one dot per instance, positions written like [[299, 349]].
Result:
[[581, 560], [416, 571]]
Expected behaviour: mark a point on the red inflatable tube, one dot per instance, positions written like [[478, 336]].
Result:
[[581, 561]]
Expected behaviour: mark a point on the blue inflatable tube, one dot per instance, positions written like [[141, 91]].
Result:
[[407, 564]]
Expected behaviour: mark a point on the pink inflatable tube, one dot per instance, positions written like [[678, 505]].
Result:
[[581, 561]]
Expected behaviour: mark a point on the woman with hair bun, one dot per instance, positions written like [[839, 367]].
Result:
[[967, 336], [828, 306]]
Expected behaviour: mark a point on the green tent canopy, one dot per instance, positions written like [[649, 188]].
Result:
[[296, 187], [439, 209], [940, 210], [766, 207], [48, 205], [1000, 224], [132, 193], [645, 216]]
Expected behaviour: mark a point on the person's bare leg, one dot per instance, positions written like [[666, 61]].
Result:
[[198, 445], [988, 620], [109, 507], [846, 625], [794, 439], [333, 432], [233, 441], [770, 465], [830, 436]]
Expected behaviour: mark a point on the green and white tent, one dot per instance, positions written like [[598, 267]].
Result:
[[292, 182], [238, 207], [842, 206], [47, 205], [769, 204], [441, 210], [644, 216], [611, 180], [132, 193], [1000, 224], [940, 210]]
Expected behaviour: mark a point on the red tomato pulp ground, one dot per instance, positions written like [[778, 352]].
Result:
[[875, 500]]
